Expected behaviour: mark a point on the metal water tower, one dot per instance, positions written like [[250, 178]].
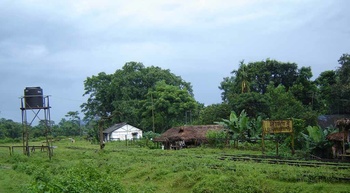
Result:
[[34, 101]]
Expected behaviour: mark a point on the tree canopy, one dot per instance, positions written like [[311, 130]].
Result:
[[126, 94], [155, 99]]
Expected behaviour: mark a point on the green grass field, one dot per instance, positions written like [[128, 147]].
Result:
[[82, 167]]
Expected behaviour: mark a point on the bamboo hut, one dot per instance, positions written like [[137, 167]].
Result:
[[185, 136]]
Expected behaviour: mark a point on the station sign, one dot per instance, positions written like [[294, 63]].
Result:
[[277, 126]]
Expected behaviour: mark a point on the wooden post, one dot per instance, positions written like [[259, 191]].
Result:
[[343, 156], [277, 147], [27, 142], [101, 133], [293, 151], [263, 143]]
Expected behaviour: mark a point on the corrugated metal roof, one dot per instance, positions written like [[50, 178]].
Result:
[[114, 127]]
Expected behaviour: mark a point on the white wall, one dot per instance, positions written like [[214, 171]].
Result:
[[126, 132]]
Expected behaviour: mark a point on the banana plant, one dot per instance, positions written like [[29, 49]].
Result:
[[315, 138], [255, 129], [237, 126]]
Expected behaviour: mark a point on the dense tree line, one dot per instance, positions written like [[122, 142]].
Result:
[[66, 127], [155, 99], [10, 129], [279, 90]]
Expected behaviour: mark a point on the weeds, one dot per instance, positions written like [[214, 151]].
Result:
[[82, 167]]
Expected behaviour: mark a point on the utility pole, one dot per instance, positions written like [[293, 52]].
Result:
[[152, 113], [100, 124]]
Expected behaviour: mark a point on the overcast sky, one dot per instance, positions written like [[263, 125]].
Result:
[[58, 44]]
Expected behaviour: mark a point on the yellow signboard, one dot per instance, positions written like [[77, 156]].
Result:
[[277, 126]]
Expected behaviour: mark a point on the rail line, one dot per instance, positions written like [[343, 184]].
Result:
[[274, 160]]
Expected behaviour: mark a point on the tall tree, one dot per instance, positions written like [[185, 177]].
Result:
[[257, 76], [242, 76], [67, 128], [121, 94], [229, 88], [328, 92], [304, 89], [99, 90], [168, 106], [74, 118], [215, 112], [344, 69], [283, 105], [10, 129], [343, 73], [254, 104], [262, 73]]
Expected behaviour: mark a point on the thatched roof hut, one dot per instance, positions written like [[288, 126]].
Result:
[[343, 124], [195, 134], [339, 136]]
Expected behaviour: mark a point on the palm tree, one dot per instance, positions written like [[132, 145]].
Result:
[[242, 76]]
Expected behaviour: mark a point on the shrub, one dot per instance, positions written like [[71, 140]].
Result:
[[217, 138], [84, 177]]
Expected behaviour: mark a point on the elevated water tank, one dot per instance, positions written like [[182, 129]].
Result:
[[33, 97]]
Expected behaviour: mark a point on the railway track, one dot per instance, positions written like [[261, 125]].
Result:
[[276, 160]]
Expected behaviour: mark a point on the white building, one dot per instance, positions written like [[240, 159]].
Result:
[[122, 131]]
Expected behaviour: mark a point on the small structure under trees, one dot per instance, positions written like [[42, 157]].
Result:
[[122, 131], [185, 136], [341, 138]]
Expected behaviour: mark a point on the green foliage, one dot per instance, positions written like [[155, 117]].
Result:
[[217, 138], [147, 140], [212, 113], [237, 126], [344, 70], [316, 142], [258, 75], [10, 129], [333, 88], [272, 89], [242, 77], [327, 91], [130, 89], [10, 140], [83, 177], [150, 135], [343, 84], [168, 106], [82, 167], [67, 128], [255, 128], [253, 103], [283, 105], [304, 89], [98, 88]]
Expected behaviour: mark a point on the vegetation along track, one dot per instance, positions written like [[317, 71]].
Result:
[[277, 160]]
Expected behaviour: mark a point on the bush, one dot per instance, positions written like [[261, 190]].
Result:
[[84, 177], [217, 138], [10, 140]]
